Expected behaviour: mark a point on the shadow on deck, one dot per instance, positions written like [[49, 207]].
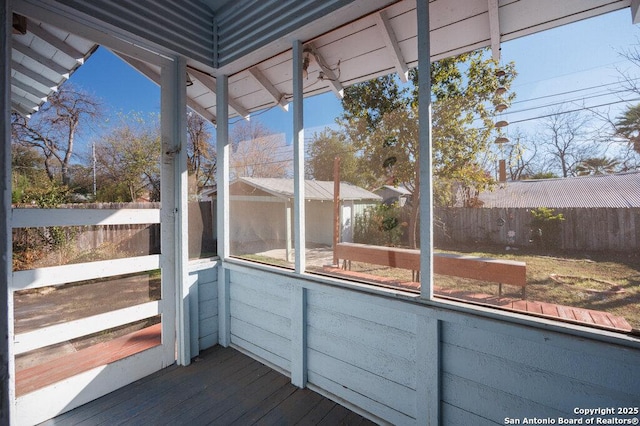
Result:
[[222, 387]]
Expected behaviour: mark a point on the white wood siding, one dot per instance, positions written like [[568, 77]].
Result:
[[363, 349]]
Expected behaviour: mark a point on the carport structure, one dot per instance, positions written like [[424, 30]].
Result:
[[395, 357]]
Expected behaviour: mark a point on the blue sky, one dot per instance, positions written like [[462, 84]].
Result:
[[550, 62]]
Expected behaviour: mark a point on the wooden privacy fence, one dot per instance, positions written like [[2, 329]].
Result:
[[583, 228], [133, 238]]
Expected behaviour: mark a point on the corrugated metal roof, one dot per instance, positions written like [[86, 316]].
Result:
[[606, 191], [314, 189]]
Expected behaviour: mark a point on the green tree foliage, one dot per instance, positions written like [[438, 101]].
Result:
[[379, 225], [545, 227], [628, 126], [128, 160], [381, 118], [321, 153]]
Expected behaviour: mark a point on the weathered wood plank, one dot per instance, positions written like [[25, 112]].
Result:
[[482, 269], [69, 365], [376, 388], [552, 390], [357, 308], [481, 402], [223, 387], [376, 361], [573, 362], [376, 336], [376, 408], [271, 342]]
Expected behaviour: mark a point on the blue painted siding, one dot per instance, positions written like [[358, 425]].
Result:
[[363, 349], [203, 304]]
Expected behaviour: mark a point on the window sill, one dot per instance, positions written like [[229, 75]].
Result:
[[445, 309]]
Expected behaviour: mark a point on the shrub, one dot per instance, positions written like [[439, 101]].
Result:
[[379, 225], [545, 228]]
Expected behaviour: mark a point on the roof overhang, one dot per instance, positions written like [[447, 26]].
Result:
[[43, 57], [364, 40]]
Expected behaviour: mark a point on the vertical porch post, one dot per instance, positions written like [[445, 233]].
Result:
[[429, 369], [222, 198], [7, 377], [298, 293], [298, 159], [174, 203], [425, 165]]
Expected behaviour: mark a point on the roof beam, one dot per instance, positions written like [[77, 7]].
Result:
[[210, 83], [24, 102], [635, 11], [278, 97], [329, 75], [33, 75], [29, 88], [54, 41], [152, 75], [494, 29], [390, 40], [41, 59]]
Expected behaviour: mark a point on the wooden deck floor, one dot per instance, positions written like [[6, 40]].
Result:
[[224, 387]]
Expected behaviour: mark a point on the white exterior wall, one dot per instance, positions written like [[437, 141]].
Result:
[[373, 351]]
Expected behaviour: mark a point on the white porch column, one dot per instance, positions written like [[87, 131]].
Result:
[[429, 368], [7, 376], [298, 158], [222, 204], [425, 166], [298, 294], [174, 193]]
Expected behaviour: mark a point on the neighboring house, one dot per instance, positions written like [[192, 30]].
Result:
[[261, 212], [394, 194], [620, 190]]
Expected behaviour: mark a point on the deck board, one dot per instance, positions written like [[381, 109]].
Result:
[[223, 387]]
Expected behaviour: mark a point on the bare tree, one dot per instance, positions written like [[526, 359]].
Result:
[[54, 128], [566, 137], [201, 155], [258, 152]]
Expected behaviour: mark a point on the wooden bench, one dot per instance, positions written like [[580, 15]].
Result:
[[499, 271]]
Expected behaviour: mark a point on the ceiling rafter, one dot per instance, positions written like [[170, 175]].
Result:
[[154, 76], [635, 11], [391, 42], [22, 110], [210, 83], [46, 82], [29, 88], [25, 102], [41, 59], [54, 41], [329, 75], [494, 29], [278, 97]]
